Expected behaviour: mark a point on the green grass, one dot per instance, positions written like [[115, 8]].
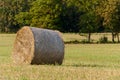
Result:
[[82, 62], [93, 54]]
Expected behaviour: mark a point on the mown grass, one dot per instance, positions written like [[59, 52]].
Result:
[[82, 62], [101, 55]]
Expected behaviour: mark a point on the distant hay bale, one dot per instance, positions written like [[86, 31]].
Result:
[[38, 46]]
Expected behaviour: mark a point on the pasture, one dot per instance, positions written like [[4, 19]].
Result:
[[82, 62]]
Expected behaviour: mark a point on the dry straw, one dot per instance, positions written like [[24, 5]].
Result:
[[38, 46]]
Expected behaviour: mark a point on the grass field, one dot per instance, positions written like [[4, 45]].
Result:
[[82, 62]]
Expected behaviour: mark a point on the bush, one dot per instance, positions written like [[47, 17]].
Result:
[[72, 42], [103, 39], [85, 41]]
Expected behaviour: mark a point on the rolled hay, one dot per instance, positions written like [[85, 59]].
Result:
[[38, 46]]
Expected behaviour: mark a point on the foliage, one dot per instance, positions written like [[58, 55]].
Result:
[[103, 39], [115, 21], [54, 14], [84, 16], [9, 9], [44, 13], [70, 17], [88, 20], [23, 18]]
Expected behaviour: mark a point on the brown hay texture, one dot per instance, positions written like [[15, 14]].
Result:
[[38, 46]]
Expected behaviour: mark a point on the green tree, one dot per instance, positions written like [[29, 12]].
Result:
[[88, 20], [1, 15], [55, 14], [106, 10], [45, 13], [115, 21], [23, 18], [70, 17], [8, 10]]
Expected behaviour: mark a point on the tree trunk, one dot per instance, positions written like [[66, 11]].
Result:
[[118, 37], [113, 37], [89, 37]]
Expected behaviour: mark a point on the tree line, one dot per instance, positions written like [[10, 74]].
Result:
[[79, 16]]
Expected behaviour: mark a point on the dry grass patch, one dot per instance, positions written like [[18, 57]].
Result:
[[44, 72]]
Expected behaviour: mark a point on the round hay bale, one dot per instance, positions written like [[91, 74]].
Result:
[[38, 46]]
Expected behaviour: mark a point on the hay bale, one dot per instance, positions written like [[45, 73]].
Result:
[[38, 46]]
